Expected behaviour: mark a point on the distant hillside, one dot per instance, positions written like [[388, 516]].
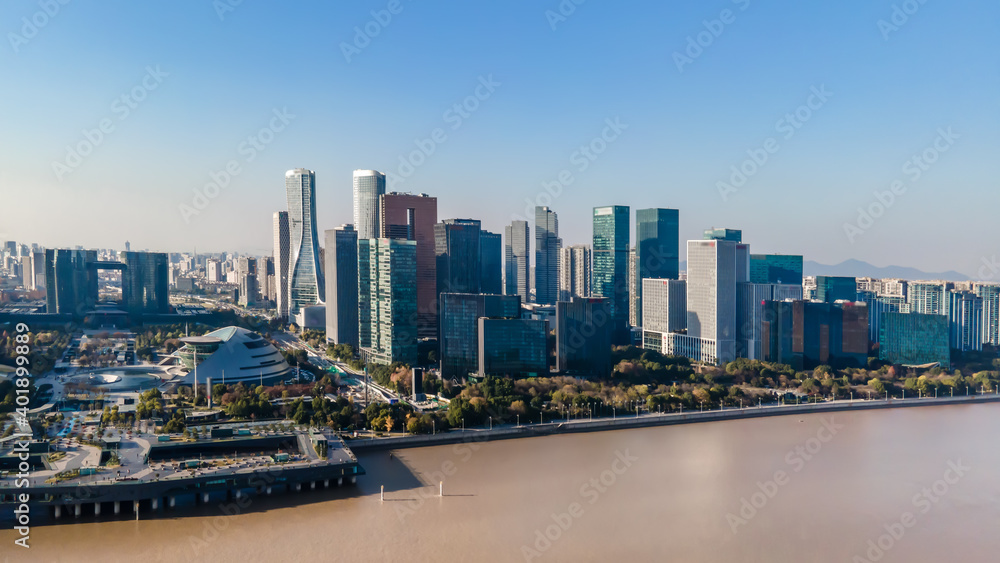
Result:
[[859, 269]]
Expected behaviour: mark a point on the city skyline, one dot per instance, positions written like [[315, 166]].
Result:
[[682, 130]]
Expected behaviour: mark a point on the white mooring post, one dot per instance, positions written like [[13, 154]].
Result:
[[440, 488], [382, 494]]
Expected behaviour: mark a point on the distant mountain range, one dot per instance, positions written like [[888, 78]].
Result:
[[860, 269]]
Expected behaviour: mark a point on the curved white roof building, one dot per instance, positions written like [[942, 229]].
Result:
[[232, 355]]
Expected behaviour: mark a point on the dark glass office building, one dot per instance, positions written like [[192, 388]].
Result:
[[491, 263], [513, 347], [914, 339], [610, 269], [785, 269], [583, 336], [830, 289], [145, 283], [459, 339], [657, 247], [804, 334], [456, 244], [342, 286]]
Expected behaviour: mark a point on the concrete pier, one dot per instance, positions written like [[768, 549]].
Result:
[[204, 498], [298, 487], [312, 485], [340, 481], [156, 503], [172, 501], [326, 483], [58, 511], [97, 509], [118, 507], [76, 510]]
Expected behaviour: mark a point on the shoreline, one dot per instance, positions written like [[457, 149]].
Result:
[[649, 420]]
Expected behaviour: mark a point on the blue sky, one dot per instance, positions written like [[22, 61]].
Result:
[[221, 79]]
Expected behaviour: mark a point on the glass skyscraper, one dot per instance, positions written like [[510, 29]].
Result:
[[305, 277], [491, 263], [342, 285], [369, 185], [281, 251], [610, 270], [412, 217], [546, 256], [387, 300], [459, 340], [657, 247], [516, 260], [785, 269], [830, 289], [456, 244], [914, 339], [732, 235]]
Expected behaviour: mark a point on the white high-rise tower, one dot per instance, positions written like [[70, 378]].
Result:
[[369, 185]]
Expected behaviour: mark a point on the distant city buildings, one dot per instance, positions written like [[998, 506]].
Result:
[[247, 276]]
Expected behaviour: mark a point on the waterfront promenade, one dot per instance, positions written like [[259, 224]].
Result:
[[623, 421]]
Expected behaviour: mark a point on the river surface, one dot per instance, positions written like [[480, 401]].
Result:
[[895, 485]]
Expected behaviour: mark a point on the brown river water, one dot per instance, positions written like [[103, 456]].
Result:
[[896, 485]]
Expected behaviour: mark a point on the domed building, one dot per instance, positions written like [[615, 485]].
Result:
[[232, 355]]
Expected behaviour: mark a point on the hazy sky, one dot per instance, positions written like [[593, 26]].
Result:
[[197, 85]]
